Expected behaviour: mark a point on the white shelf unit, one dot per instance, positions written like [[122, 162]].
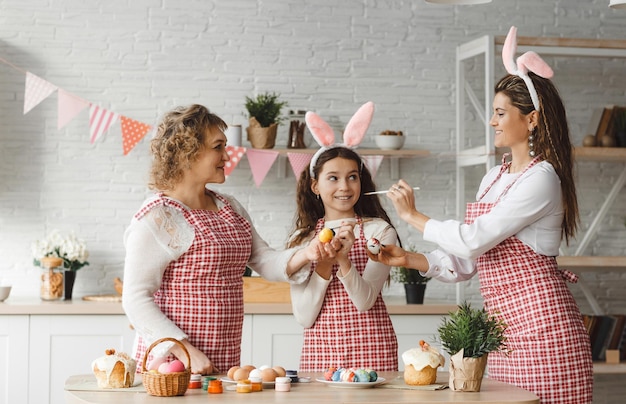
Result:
[[485, 154]]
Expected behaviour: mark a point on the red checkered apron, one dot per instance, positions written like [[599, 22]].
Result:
[[202, 291], [550, 351], [343, 336]]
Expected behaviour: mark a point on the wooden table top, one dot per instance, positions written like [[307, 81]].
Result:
[[314, 392]]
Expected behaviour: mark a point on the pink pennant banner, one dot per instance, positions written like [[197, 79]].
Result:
[[69, 105], [260, 163], [299, 161], [99, 121], [235, 153], [132, 132], [373, 163], [35, 91]]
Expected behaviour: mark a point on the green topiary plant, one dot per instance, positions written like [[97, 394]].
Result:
[[474, 331], [265, 108], [408, 276]]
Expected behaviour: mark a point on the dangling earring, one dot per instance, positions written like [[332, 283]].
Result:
[[318, 196], [531, 144]]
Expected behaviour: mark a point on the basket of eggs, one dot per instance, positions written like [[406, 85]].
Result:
[[170, 378]]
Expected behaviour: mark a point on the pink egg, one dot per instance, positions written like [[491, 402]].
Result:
[[156, 362], [176, 366], [164, 368]]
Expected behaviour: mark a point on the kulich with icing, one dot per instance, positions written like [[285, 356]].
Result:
[[114, 370], [421, 363]]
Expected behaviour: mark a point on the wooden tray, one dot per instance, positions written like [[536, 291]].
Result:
[[103, 298]]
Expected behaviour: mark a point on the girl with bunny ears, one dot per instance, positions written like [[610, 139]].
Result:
[[340, 305], [511, 237]]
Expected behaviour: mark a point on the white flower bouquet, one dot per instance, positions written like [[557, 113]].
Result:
[[72, 250]]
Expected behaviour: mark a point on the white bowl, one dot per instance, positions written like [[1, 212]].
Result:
[[4, 292], [389, 142]]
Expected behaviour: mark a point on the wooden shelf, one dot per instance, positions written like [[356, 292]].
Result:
[[603, 368], [591, 263], [613, 154], [364, 152]]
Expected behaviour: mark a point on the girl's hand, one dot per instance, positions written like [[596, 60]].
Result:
[[343, 240], [391, 255]]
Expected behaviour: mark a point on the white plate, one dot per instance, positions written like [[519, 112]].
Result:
[[231, 381], [352, 385]]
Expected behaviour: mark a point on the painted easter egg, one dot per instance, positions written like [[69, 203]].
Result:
[[373, 245], [326, 235]]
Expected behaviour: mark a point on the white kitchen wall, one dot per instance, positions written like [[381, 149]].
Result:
[[140, 58]]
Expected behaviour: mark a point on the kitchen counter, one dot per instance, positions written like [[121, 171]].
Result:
[[36, 306], [491, 392]]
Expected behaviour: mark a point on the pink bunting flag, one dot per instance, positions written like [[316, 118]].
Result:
[[132, 132], [235, 153], [99, 121], [69, 105], [299, 161], [373, 163], [260, 163], [35, 91]]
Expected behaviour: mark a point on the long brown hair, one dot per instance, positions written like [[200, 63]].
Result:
[[310, 208], [552, 138]]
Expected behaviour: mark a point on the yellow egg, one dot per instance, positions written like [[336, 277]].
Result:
[[326, 235]]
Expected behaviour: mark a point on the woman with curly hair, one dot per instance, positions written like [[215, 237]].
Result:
[[188, 246]]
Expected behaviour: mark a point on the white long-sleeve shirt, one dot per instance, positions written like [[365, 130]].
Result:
[[531, 210], [162, 236], [307, 297]]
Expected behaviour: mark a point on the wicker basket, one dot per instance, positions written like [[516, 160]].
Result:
[[166, 384]]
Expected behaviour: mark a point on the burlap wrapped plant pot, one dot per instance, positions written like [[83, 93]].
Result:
[[466, 374], [260, 137]]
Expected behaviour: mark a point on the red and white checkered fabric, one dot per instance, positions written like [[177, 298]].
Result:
[[550, 350], [343, 336], [202, 291]]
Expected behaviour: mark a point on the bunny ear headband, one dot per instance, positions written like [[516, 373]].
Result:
[[529, 61], [325, 136]]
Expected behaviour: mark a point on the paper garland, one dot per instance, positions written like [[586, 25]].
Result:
[[37, 89]]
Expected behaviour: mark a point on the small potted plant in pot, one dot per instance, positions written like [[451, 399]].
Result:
[[414, 283], [264, 118], [468, 336]]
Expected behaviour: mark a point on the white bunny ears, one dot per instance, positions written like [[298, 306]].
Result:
[[325, 136], [529, 61]]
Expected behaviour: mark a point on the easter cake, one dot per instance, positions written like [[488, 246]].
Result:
[[114, 370]]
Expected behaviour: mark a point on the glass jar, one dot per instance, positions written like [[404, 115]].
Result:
[[283, 384], [52, 278], [215, 386]]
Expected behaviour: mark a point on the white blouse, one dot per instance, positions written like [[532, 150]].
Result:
[[162, 236], [307, 297], [531, 210]]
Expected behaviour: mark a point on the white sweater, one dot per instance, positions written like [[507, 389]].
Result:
[[162, 236], [531, 210], [307, 297]]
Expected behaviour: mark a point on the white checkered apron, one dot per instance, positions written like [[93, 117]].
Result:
[[343, 336], [550, 350], [202, 291]]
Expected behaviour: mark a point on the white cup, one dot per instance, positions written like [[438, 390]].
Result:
[[233, 135]]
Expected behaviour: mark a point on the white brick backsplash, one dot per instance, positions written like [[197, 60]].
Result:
[[144, 57]]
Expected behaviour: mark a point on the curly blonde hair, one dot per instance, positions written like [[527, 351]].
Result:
[[179, 138]]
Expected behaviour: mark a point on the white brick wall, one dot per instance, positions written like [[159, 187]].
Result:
[[142, 57]]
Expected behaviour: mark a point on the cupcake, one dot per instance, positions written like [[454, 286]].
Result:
[[420, 365]]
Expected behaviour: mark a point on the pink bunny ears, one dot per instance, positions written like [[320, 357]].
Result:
[[325, 136], [529, 61]]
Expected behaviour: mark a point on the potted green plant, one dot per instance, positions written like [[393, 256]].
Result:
[[414, 282], [264, 118], [468, 335]]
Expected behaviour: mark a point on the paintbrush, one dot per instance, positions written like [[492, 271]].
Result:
[[382, 192]]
